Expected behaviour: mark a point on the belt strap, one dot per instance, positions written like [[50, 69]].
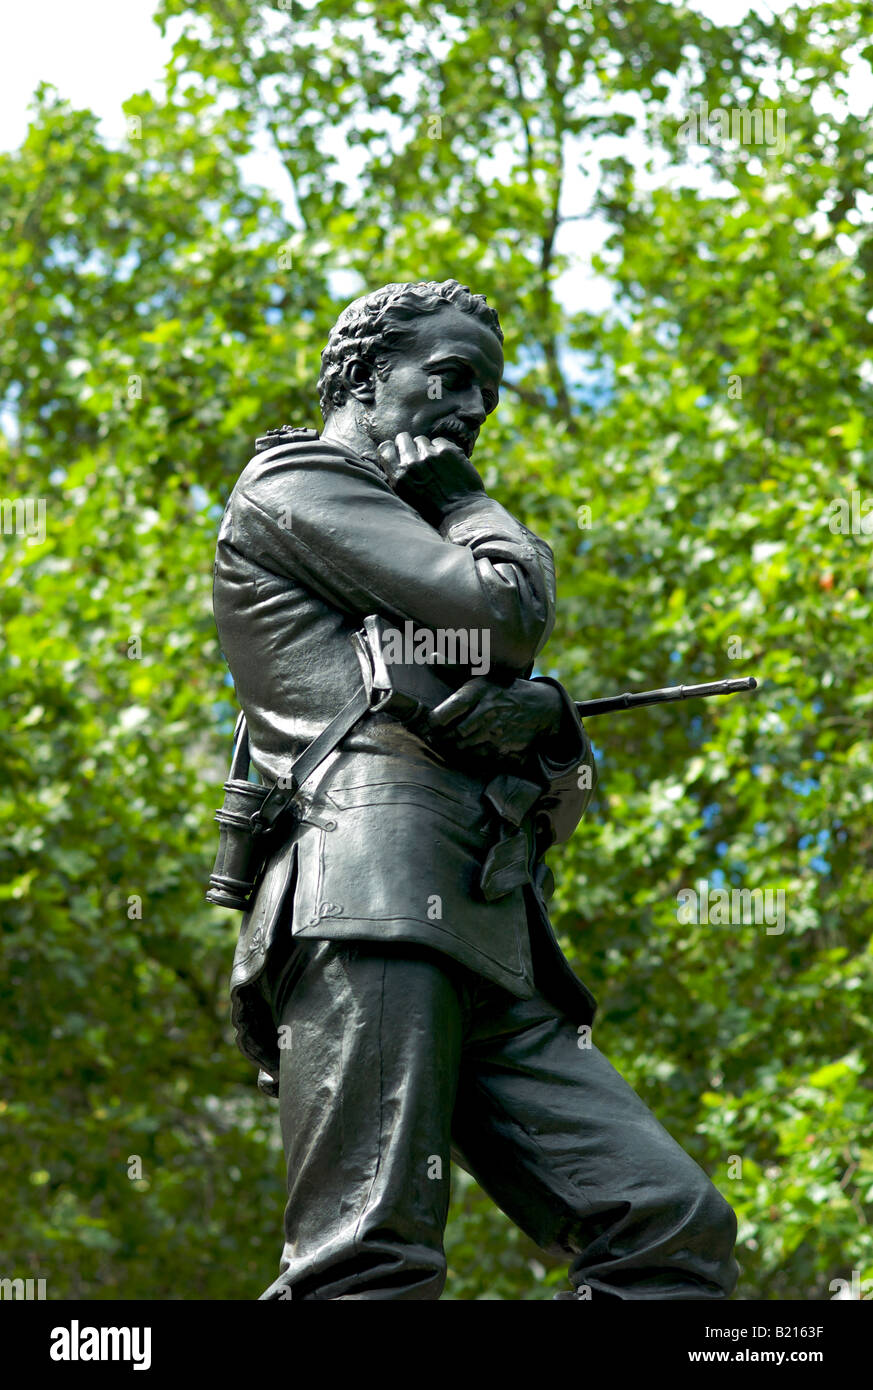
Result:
[[312, 757]]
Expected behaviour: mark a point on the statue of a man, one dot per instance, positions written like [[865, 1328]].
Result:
[[397, 975]]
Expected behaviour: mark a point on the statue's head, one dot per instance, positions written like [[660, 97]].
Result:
[[422, 358]]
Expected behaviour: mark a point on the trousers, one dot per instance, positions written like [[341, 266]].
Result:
[[395, 1060]]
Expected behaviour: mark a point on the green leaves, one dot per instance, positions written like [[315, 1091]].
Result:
[[159, 312]]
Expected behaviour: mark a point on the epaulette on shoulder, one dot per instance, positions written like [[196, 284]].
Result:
[[285, 434]]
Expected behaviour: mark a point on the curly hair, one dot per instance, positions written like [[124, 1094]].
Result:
[[377, 325]]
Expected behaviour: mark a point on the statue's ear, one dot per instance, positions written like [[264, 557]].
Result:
[[358, 379]]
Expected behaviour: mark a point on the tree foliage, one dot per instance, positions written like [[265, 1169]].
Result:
[[159, 312]]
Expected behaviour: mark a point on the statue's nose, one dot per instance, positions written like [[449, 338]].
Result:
[[472, 409]]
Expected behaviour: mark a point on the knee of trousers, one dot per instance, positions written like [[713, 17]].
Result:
[[680, 1224], [709, 1228], [380, 1266], [718, 1216]]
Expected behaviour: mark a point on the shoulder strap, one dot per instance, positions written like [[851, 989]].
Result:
[[285, 434], [284, 791], [239, 762]]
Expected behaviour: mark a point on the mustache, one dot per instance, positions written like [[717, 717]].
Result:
[[451, 428], [456, 432]]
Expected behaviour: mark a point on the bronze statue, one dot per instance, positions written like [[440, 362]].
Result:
[[397, 979]]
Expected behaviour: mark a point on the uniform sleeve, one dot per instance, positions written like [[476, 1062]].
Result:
[[567, 766], [332, 523], [498, 537]]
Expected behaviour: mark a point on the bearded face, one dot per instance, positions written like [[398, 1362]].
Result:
[[442, 384]]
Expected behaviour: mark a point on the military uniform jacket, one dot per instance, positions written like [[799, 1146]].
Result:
[[392, 839]]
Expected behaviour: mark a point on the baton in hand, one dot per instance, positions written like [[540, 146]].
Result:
[[609, 703]]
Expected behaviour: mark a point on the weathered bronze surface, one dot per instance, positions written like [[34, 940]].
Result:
[[397, 979]]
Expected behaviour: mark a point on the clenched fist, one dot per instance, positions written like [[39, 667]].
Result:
[[497, 720], [430, 474]]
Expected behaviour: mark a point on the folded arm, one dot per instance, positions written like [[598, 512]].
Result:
[[329, 520], [533, 725]]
